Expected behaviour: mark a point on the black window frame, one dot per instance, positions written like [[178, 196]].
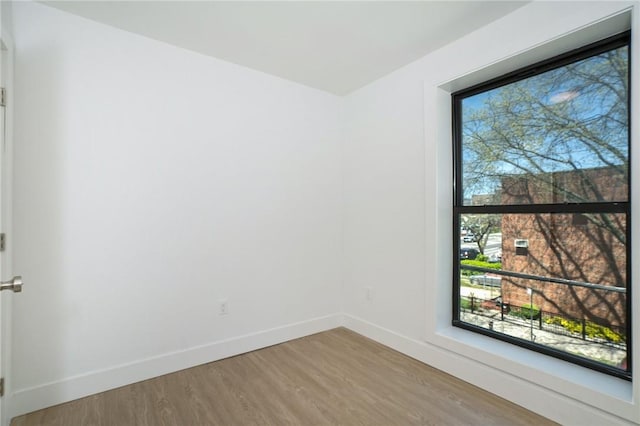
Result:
[[459, 208]]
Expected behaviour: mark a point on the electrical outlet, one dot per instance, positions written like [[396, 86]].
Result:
[[223, 307]]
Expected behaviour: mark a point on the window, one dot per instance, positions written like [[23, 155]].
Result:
[[541, 199]]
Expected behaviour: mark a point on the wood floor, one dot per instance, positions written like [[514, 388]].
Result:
[[335, 377]]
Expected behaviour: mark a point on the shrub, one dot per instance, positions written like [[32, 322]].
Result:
[[527, 311], [592, 330], [478, 263], [482, 258]]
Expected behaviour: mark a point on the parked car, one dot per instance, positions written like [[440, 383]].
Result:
[[486, 280], [469, 253], [469, 238]]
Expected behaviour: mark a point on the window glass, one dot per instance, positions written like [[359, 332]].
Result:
[[559, 136], [553, 279], [542, 211]]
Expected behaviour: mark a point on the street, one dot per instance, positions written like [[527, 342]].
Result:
[[494, 245]]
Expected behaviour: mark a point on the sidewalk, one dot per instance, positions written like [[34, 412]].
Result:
[[522, 329], [482, 293]]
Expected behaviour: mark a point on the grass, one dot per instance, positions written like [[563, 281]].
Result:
[[466, 304]]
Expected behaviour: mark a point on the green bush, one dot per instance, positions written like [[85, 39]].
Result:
[[482, 258], [478, 263], [529, 311], [526, 311]]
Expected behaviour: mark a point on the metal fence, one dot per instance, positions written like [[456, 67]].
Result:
[[579, 328]]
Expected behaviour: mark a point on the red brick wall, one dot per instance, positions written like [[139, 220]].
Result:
[[571, 246]]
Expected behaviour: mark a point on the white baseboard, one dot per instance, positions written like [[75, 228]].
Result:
[[534, 397], [27, 400]]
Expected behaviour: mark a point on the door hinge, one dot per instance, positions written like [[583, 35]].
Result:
[[3, 96], [3, 240], [2, 387]]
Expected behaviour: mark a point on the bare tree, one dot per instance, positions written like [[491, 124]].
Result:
[[558, 137], [481, 226], [572, 118]]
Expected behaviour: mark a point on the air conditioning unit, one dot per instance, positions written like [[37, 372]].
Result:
[[522, 243]]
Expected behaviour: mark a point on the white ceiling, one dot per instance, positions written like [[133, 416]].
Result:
[[336, 46]]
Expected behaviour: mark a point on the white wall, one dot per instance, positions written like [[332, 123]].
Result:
[[398, 216], [150, 182]]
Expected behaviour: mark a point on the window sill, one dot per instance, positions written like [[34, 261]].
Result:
[[563, 377]]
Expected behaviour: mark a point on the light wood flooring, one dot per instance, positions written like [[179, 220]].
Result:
[[335, 377]]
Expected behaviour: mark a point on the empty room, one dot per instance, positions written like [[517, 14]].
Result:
[[324, 212]]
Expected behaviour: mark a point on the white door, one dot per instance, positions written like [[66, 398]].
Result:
[[3, 301], [15, 283]]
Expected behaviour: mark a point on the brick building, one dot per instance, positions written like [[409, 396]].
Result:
[[578, 247]]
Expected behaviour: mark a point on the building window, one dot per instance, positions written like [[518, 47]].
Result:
[[541, 159]]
